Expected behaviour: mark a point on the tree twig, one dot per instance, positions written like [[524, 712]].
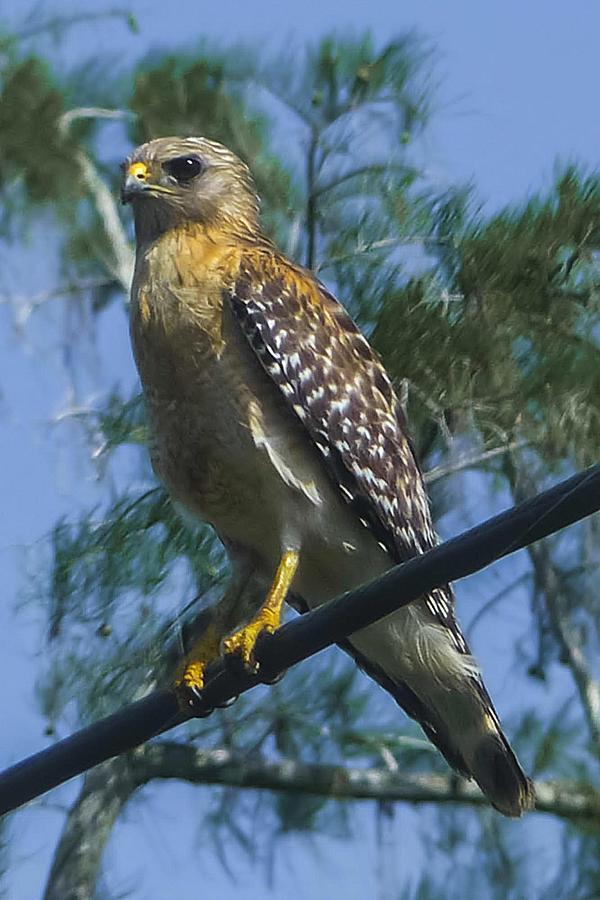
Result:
[[77, 859], [491, 602], [549, 582], [311, 200], [60, 23], [368, 169], [93, 112], [469, 462], [121, 264], [26, 304], [372, 246], [187, 763], [107, 789]]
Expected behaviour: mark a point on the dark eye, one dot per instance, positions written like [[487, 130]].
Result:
[[183, 168]]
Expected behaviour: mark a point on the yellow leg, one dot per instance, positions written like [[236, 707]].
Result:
[[268, 617], [206, 649]]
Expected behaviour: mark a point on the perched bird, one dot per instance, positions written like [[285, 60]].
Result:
[[274, 420]]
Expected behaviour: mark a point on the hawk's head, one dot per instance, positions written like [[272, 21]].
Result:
[[174, 180]]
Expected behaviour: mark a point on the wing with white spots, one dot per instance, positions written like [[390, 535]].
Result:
[[338, 388]]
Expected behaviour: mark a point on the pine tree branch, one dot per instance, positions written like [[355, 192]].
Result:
[[92, 112], [369, 169], [26, 304], [77, 858], [121, 263], [425, 241], [512, 530], [107, 790], [184, 762], [470, 462]]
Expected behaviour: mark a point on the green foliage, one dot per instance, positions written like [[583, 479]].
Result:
[[121, 422], [341, 77], [105, 583], [132, 547], [506, 345], [175, 96], [31, 105]]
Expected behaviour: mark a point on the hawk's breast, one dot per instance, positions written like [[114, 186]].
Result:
[[227, 446]]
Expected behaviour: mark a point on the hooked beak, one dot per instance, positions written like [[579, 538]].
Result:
[[135, 182]]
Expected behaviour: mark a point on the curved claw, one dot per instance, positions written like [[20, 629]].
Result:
[[189, 688], [241, 644], [228, 702], [191, 698], [196, 691], [273, 679]]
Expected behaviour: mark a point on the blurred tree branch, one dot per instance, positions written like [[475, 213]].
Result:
[[472, 461], [107, 789], [551, 582], [76, 862], [121, 264]]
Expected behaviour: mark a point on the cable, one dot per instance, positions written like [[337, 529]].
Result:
[[548, 512]]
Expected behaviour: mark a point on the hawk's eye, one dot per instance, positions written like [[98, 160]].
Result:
[[183, 168]]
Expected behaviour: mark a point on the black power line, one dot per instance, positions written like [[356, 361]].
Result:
[[306, 635]]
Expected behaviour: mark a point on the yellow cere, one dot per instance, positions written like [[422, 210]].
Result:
[[138, 170]]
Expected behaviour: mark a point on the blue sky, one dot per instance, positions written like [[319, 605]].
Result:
[[517, 90]]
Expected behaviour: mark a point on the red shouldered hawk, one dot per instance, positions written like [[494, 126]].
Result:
[[274, 420]]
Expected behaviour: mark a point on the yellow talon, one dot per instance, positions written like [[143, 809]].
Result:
[[244, 641], [268, 618], [204, 651], [192, 676]]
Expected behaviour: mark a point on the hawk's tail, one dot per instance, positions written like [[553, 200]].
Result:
[[478, 749], [496, 770]]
